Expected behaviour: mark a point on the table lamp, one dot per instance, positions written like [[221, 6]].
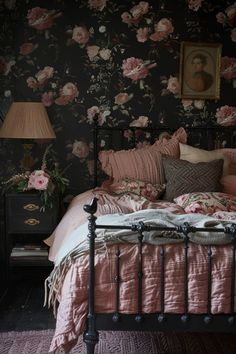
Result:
[[27, 120]]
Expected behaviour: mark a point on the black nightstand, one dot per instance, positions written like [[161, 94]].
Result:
[[26, 227]]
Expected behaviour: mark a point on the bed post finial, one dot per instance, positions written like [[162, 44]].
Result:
[[91, 336]]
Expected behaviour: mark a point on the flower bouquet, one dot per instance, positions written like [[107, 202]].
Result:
[[48, 181]]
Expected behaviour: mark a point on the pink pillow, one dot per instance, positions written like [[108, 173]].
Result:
[[229, 184], [195, 155], [206, 203], [139, 164]]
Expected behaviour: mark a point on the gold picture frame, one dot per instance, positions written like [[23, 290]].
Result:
[[200, 70]]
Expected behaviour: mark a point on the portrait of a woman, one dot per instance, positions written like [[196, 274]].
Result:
[[198, 79], [200, 70]]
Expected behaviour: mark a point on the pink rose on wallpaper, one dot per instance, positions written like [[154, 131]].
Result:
[[32, 83], [39, 180], [80, 149], [67, 94], [226, 115], [92, 111], [173, 85], [97, 4], [233, 34], [27, 48], [126, 18], [136, 13], [44, 75], [142, 121], [92, 51], [139, 10], [80, 35], [221, 18], [231, 14], [162, 29], [122, 98], [142, 34], [40, 18], [194, 4], [186, 103], [228, 68], [136, 69], [47, 98]]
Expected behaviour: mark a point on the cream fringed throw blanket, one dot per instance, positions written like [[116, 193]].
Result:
[[77, 243]]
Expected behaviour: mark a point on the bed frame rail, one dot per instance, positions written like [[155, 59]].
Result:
[[158, 321]]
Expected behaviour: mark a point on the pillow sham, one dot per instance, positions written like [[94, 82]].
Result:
[[195, 155], [229, 184], [142, 164], [186, 177], [206, 203], [147, 190]]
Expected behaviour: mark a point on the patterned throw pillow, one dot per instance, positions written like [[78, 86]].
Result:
[[185, 177], [147, 190], [206, 203]]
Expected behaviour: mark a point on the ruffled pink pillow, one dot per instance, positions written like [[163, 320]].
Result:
[[143, 164]]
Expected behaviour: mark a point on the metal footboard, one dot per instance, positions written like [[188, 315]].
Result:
[[156, 321]]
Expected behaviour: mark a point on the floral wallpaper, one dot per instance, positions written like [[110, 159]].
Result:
[[117, 59]]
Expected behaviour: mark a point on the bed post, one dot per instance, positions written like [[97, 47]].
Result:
[[95, 151], [91, 336]]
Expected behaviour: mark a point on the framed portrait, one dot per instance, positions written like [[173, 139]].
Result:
[[200, 70]]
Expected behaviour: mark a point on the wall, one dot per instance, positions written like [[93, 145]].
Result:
[[118, 58]]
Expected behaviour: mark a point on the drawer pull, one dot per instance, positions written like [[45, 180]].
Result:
[[31, 207], [32, 222]]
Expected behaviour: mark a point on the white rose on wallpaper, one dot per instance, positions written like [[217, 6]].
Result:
[[187, 104], [141, 122], [44, 75], [105, 54], [80, 35], [102, 29], [199, 104], [92, 51], [173, 85], [80, 149]]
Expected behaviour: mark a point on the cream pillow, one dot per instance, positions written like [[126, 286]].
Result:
[[195, 155]]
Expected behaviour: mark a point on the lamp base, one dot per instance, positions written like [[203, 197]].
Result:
[[27, 161]]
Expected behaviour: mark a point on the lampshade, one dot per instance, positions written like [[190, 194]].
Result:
[[27, 120]]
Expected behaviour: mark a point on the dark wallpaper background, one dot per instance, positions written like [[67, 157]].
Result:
[[119, 59]]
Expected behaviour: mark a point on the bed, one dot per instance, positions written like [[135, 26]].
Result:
[[149, 263]]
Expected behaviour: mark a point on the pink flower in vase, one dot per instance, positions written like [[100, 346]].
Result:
[[38, 180]]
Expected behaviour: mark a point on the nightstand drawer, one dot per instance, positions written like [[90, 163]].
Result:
[[23, 214], [43, 222]]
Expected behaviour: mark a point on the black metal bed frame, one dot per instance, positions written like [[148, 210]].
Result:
[[161, 321]]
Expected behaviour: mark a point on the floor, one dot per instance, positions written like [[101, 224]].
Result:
[[22, 307]]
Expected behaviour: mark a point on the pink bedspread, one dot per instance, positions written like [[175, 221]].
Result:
[[73, 296]]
